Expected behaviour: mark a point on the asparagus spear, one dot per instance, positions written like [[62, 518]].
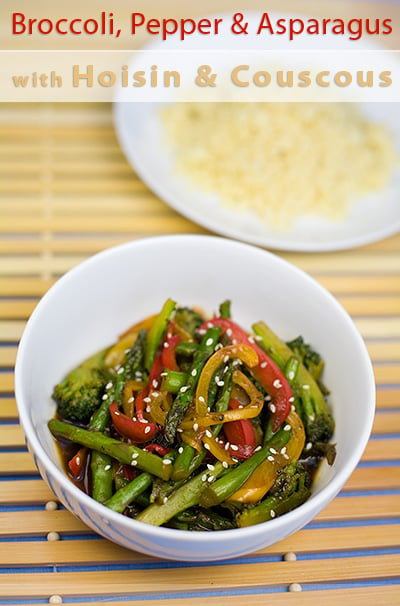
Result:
[[184, 497], [121, 451], [125, 495], [186, 393]]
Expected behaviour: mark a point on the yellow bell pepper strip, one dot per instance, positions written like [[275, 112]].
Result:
[[267, 372], [156, 333], [265, 474], [241, 352], [251, 410], [234, 478], [218, 451], [158, 406]]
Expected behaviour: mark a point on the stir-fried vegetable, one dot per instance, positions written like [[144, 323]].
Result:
[[195, 424]]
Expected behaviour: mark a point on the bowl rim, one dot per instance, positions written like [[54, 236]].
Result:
[[308, 510]]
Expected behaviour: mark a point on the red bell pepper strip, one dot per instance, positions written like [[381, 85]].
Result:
[[158, 449], [77, 463], [240, 433], [137, 431], [267, 372], [168, 357]]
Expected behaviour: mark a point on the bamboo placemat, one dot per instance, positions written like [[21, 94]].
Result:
[[67, 192]]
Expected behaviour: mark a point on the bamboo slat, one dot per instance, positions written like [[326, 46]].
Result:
[[200, 578], [97, 551], [357, 596]]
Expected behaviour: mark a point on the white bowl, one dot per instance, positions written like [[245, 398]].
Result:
[[89, 306]]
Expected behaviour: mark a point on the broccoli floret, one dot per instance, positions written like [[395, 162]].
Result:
[[79, 394], [188, 319], [309, 357]]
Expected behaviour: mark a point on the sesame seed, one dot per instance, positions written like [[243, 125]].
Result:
[[291, 399], [117, 413], [287, 427], [226, 358], [227, 446], [134, 463], [258, 338], [291, 375], [194, 372], [273, 451], [272, 513], [184, 388], [201, 399], [155, 394], [51, 506], [167, 462], [263, 364], [179, 430], [207, 446], [204, 477], [146, 399], [257, 448], [105, 397], [218, 346], [165, 499], [306, 387], [270, 458], [210, 467], [210, 479], [225, 464], [209, 434], [155, 383], [295, 587], [169, 335], [138, 374], [135, 455], [234, 447], [229, 332], [109, 385], [201, 331], [285, 456], [131, 399], [195, 426], [220, 383], [209, 342], [235, 460], [53, 536], [147, 429], [166, 345], [312, 418], [148, 408], [107, 468], [209, 324], [293, 408], [267, 398], [283, 450], [180, 449], [163, 374], [272, 408], [308, 446], [277, 383], [120, 370], [216, 379], [251, 339], [290, 557]]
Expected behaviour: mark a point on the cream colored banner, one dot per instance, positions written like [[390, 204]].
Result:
[[163, 75]]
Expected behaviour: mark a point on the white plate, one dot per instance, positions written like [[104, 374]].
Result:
[[141, 136]]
